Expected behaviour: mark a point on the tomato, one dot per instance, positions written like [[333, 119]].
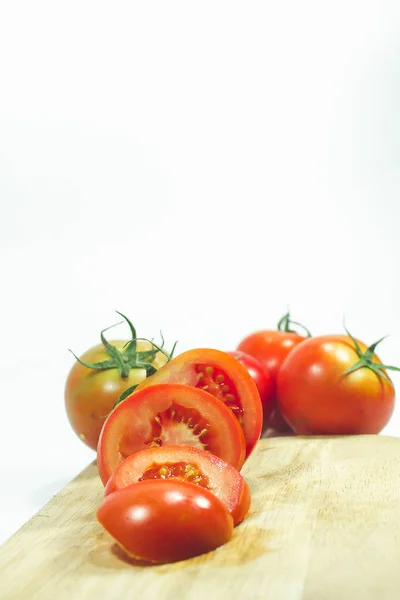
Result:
[[165, 521], [271, 348], [190, 464], [335, 385], [169, 414], [101, 375], [263, 380], [222, 376]]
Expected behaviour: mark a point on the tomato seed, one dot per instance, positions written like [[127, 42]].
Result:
[[187, 472]]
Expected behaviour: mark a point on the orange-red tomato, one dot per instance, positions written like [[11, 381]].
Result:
[[317, 397], [263, 380], [165, 521], [169, 414], [270, 348], [190, 464], [91, 394], [223, 377]]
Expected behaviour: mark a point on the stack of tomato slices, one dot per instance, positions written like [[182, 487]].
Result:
[[169, 456]]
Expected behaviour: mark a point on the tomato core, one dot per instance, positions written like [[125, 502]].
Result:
[[175, 426], [216, 382], [189, 472]]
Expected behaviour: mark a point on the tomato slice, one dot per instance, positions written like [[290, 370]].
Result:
[[164, 521], [221, 376], [168, 414], [190, 464]]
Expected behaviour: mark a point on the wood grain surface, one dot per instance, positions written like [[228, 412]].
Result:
[[324, 525]]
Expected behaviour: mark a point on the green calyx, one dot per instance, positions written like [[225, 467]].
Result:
[[129, 358], [285, 325], [366, 360]]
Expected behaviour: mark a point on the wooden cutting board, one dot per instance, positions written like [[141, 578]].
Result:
[[324, 525]]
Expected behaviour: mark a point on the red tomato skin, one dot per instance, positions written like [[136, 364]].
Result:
[[316, 399], [271, 348], [263, 380], [134, 416], [165, 521], [225, 481]]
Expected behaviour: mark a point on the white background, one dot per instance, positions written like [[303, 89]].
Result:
[[200, 166]]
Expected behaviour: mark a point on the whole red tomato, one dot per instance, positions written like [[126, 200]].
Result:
[[263, 380], [270, 348], [335, 385], [164, 521], [101, 375]]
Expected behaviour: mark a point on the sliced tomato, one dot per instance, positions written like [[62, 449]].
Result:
[[165, 521], [167, 414], [221, 376], [190, 464]]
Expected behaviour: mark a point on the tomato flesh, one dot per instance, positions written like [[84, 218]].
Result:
[[216, 382], [188, 464], [165, 521], [166, 414], [189, 472], [223, 377]]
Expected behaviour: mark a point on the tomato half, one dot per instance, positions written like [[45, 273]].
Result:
[[221, 376], [169, 414], [91, 394], [271, 347], [190, 464], [317, 397], [165, 521], [263, 380]]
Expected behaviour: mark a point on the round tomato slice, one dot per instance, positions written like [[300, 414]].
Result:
[[223, 377], [167, 414], [189, 464], [165, 521]]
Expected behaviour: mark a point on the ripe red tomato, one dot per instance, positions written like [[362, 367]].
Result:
[[221, 376], [169, 414], [165, 521], [263, 380], [335, 385], [190, 464], [271, 348]]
